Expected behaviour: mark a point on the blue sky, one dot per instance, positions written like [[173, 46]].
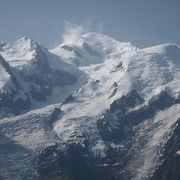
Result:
[[142, 22]]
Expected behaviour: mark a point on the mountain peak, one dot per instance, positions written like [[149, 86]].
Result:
[[171, 51], [26, 41], [93, 48], [162, 48], [25, 37], [22, 51], [2, 44]]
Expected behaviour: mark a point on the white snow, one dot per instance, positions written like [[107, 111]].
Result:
[[31, 130], [106, 69], [21, 56], [5, 77], [20, 52], [93, 48], [148, 73], [147, 159]]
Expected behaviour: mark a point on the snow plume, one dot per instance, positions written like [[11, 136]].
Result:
[[72, 31]]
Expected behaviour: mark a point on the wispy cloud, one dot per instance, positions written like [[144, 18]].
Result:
[[73, 31]]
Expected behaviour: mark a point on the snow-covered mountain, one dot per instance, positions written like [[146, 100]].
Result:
[[95, 109], [38, 73]]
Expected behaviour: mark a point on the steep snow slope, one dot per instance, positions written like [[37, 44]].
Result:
[[42, 75], [19, 52], [116, 104], [12, 98], [22, 138], [103, 71], [93, 48], [46, 81], [149, 72]]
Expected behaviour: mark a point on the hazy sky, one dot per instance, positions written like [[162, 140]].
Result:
[[142, 22]]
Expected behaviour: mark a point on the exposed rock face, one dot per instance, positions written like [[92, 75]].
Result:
[[168, 170], [13, 99], [120, 127], [55, 163]]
